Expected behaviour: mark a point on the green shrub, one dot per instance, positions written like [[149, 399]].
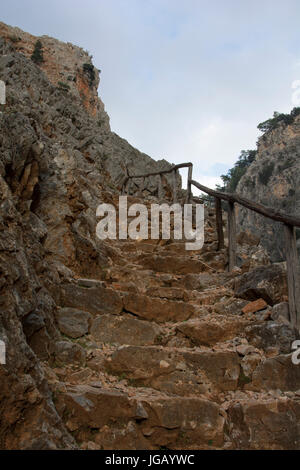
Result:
[[233, 176], [266, 173], [277, 119], [37, 55]]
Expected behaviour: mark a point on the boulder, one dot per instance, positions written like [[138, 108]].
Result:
[[271, 334], [281, 313], [265, 425], [178, 422], [266, 282], [73, 323], [172, 264], [95, 407], [276, 373], [255, 306], [69, 353], [124, 330], [230, 306], [208, 333], [95, 300], [156, 309]]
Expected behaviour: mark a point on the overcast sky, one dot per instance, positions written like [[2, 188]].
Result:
[[182, 80]]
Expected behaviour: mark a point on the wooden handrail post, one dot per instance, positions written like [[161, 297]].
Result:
[[219, 223], [292, 274], [174, 186], [189, 185], [231, 236]]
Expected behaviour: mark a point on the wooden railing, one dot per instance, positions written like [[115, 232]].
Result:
[[174, 170], [289, 222]]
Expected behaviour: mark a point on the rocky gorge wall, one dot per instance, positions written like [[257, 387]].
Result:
[[273, 179], [58, 161]]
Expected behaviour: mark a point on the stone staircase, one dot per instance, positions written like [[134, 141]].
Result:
[[158, 354]]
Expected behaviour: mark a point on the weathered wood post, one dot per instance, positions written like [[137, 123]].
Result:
[[219, 223], [189, 185], [174, 173], [231, 236], [292, 274]]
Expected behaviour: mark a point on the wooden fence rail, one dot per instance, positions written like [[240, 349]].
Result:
[[289, 222], [174, 170]]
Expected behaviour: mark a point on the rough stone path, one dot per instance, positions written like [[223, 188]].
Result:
[[169, 351]]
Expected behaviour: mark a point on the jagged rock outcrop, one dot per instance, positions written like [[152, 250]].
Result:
[[273, 179], [70, 71]]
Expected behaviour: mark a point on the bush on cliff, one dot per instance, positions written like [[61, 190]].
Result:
[[37, 55], [233, 176], [278, 118]]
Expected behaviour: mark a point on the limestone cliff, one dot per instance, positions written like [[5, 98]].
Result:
[[273, 179], [70, 71], [58, 161]]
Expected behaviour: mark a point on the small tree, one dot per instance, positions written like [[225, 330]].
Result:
[[37, 55], [278, 118], [233, 176]]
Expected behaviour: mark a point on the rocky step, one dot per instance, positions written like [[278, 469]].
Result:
[[143, 418], [158, 310], [102, 418], [128, 329], [163, 247], [209, 331], [276, 373], [102, 300], [209, 261], [179, 371], [147, 278], [95, 299], [264, 422], [173, 264]]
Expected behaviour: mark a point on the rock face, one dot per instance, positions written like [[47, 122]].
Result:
[[273, 179], [56, 149], [70, 71], [121, 344], [266, 283]]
